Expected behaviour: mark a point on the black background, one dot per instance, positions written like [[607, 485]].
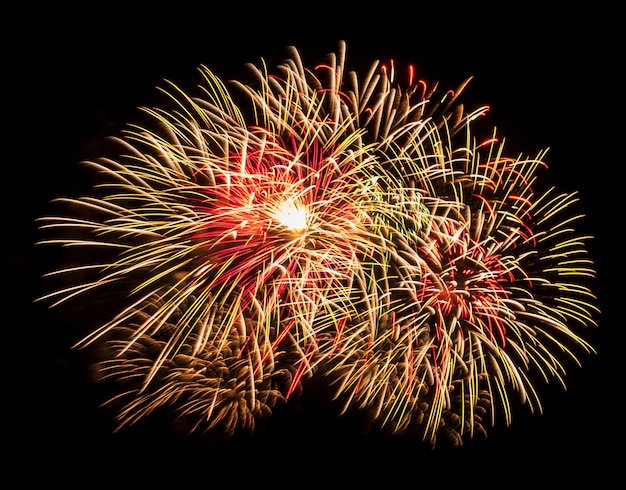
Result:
[[75, 75]]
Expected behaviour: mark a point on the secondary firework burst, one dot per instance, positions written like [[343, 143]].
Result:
[[480, 299], [318, 223]]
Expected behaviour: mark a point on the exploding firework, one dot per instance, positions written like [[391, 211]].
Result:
[[319, 224]]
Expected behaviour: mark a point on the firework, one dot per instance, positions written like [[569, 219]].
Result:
[[477, 300], [318, 223]]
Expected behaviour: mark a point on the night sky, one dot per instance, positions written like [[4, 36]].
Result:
[[76, 76]]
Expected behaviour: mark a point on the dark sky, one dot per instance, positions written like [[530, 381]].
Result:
[[549, 78]]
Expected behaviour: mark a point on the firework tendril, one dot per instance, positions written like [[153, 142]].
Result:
[[314, 224]]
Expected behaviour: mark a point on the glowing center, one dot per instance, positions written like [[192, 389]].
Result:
[[292, 215]]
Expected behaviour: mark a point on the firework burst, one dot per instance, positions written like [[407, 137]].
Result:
[[315, 223], [478, 298]]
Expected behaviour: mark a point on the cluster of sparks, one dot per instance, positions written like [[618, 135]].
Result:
[[335, 227]]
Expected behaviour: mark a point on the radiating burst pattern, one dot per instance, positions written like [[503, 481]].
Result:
[[315, 223]]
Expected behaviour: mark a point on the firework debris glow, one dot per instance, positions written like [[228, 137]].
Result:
[[316, 224]]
